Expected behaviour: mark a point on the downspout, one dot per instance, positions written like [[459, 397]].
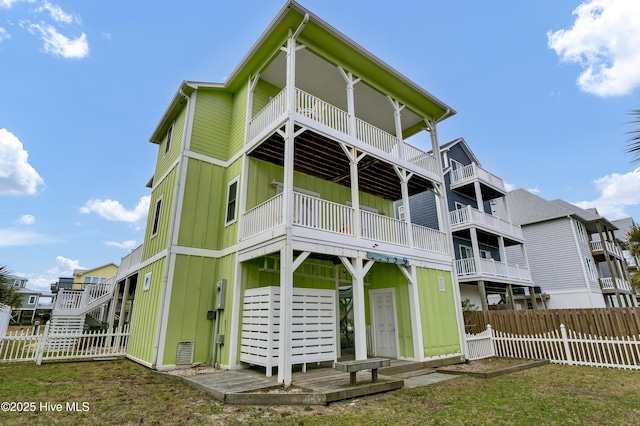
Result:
[[165, 277]]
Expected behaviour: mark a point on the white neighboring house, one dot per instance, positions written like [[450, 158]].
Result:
[[573, 253]]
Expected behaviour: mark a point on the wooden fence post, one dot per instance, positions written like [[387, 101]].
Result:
[[565, 342], [42, 344]]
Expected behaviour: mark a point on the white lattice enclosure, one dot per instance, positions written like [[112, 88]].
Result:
[[314, 328]]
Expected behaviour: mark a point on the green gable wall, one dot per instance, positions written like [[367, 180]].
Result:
[[210, 131], [159, 242], [144, 322], [439, 322]]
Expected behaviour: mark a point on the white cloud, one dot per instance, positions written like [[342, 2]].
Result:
[[128, 245], [27, 219], [113, 210], [57, 14], [60, 45], [616, 192], [4, 35], [605, 40], [8, 3], [14, 238], [17, 176], [64, 268]]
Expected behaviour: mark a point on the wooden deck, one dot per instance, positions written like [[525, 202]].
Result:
[[320, 385]]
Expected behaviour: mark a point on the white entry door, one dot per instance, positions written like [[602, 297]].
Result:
[[383, 322]]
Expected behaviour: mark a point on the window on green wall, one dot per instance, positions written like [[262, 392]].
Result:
[[156, 217], [167, 147], [232, 201]]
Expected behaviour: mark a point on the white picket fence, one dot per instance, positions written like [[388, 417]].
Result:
[[561, 347], [31, 345]]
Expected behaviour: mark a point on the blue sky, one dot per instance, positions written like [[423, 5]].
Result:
[[542, 88]]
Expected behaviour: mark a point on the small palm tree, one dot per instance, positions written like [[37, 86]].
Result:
[[8, 296], [634, 139], [633, 245]]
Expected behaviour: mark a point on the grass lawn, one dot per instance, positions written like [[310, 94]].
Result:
[[122, 392]]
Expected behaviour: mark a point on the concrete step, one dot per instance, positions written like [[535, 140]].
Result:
[[398, 366]]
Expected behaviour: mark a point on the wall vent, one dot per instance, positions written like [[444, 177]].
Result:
[[185, 353]]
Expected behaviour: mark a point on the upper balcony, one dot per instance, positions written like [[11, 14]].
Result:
[[471, 269], [332, 121], [336, 223], [463, 179], [609, 285], [470, 217], [598, 249]]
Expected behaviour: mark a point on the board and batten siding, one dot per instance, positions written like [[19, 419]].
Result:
[[203, 205], [154, 244], [164, 161], [555, 263], [238, 121], [211, 131], [438, 313], [262, 95], [424, 209], [144, 322], [192, 294]]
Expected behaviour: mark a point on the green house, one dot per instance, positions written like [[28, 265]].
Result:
[[271, 237]]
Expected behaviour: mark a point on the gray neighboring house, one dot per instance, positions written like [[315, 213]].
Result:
[[31, 300], [573, 253], [487, 273]]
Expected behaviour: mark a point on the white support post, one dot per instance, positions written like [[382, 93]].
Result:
[[235, 319], [351, 109], [286, 314], [565, 342], [404, 188], [397, 109], [249, 112], [478, 191], [357, 271]]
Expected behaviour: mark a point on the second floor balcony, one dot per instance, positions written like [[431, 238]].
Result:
[[598, 248], [338, 220], [469, 216], [463, 179], [615, 284], [472, 269], [329, 119]]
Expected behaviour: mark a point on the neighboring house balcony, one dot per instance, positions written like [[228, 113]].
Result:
[[597, 249], [470, 217], [464, 178], [615, 284], [335, 223], [472, 269], [320, 116], [79, 302]]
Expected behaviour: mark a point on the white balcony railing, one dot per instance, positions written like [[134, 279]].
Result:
[[491, 268], [268, 114], [313, 212], [468, 216], [328, 115], [262, 217], [472, 171], [596, 245], [73, 300], [608, 284]]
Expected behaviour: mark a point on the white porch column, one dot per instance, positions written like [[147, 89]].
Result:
[[358, 270], [125, 298], [502, 250], [475, 248], [478, 191], [286, 314], [249, 112], [397, 109], [351, 106]]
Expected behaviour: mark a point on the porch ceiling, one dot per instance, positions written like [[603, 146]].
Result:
[[321, 157]]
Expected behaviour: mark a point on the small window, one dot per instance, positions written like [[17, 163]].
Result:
[[147, 281], [466, 252], [400, 212], [156, 217], [485, 254], [459, 206], [232, 201], [167, 147], [591, 269], [32, 300], [582, 233]]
